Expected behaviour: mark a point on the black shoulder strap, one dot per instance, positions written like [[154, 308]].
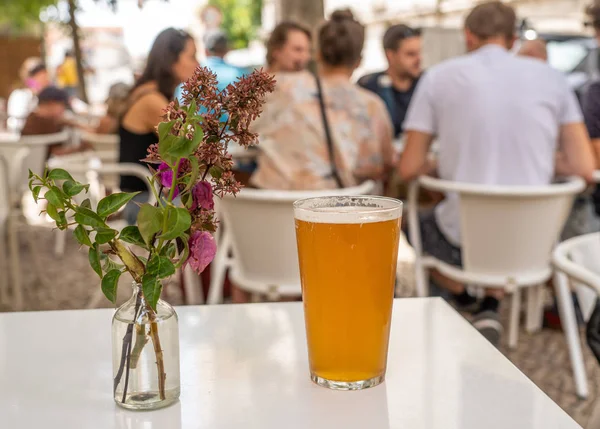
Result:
[[330, 148]]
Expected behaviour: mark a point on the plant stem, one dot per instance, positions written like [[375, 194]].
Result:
[[160, 364], [140, 342], [126, 349]]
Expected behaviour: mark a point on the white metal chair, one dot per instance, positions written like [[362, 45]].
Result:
[[19, 156], [507, 234], [259, 232], [577, 259]]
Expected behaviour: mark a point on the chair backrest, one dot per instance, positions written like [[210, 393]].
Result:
[[263, 233], [86, 167], [509, 230], [106, 145], [578, 257], [36, 156]]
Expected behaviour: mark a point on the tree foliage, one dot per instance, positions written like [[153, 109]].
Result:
[[241, 20], [21, 13]]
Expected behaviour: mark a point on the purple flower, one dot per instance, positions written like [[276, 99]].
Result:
[[202, 250], [166, 177], [202, 196]]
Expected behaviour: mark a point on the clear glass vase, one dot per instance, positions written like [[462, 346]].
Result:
[[145, 354]]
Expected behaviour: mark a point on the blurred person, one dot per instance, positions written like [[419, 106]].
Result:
[[396, 85], [171, 61], [294, 152], [116, 103], [34, 78], [49, 118], [66, 74], [590, 99], [217, 46], [534, 49], [288, 48], [499, 120], [295, 138]]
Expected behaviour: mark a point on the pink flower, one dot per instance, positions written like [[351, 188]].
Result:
[[166, 177], [202, 250], [202, 196]]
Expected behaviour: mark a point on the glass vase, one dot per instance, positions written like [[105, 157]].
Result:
[[145, 354]]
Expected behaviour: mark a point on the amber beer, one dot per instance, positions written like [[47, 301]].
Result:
[[347, 250]]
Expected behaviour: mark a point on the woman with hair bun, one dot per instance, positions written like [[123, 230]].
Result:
[[322, 131]]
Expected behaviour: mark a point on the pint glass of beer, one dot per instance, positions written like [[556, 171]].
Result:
[[347, 251]]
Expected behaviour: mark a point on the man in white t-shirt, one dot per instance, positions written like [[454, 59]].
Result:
[[499, 119]]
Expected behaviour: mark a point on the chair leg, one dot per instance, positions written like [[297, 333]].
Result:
[[4, 267], [13, 242], [218, 270], [515, 311], [568, 321], [535, 309], [421, 279], [193, 287], [60, 242]]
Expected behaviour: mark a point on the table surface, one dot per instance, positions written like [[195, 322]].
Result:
[[245, 366]]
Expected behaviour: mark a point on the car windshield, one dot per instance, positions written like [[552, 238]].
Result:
[[565, 56]]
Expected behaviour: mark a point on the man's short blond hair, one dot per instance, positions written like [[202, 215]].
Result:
[[492, 19]]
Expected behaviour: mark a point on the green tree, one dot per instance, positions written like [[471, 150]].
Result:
[[23, 13], [241, 20], [26, 13]]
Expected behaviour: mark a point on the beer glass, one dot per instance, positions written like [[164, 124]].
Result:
[[347, 251]]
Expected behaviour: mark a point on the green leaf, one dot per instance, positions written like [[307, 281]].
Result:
[[152, 289], [104, 235], [62, 220], [198, 136], [59, 174], [94, 258], [184, 249], [52, 212], [54, 197], [82, 236], [160, 267], [164, 128], [85, 216], [216, 172], [181, 148], [86, 204], [110, 282], [187, 200], [131, 234], [109, 265], [168, 251], [72, 188], [149, 221], [178, 222], [112, 203], [164, 145], [193, 174], [36, 192]]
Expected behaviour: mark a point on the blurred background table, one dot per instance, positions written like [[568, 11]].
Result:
[[247, 366]]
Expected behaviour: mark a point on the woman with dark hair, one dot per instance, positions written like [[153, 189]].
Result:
[[322, 131], [172, 60]]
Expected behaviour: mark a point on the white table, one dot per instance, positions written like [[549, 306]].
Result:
[[246, 366]]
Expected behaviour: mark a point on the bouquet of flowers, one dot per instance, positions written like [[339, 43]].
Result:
[[190, 163]]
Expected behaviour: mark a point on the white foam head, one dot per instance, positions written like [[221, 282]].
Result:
[[347, 210]]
